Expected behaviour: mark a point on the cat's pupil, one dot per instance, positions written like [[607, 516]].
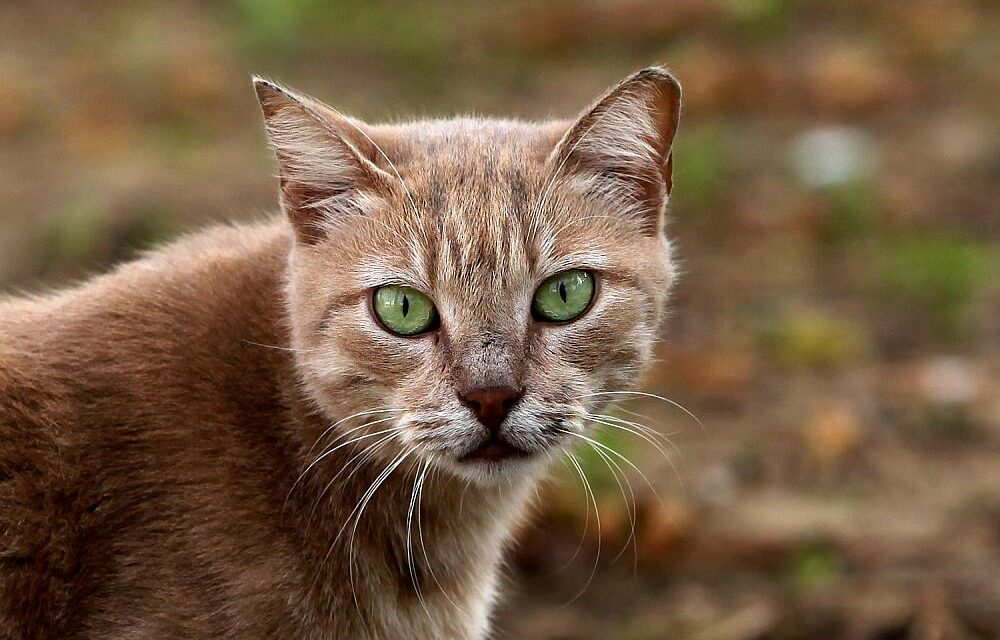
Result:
[[406, 305], [562, 291]]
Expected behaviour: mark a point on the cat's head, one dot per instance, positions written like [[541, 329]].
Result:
[[473, 289]]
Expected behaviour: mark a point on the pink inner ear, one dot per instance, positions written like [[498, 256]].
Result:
[[300, 202]]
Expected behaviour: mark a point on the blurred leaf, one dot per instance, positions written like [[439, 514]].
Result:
[[815, 566], [941, 276], [701, 165], [851, 213], [146, 229], [810, 338], [78, 233], [955, 423], [762, 18], [409, 35], [826, 157]]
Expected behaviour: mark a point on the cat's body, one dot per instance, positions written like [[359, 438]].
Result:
[[177, 438], [149, 444]]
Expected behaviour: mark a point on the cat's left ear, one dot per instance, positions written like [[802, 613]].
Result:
[[619, 149], [324, 161]]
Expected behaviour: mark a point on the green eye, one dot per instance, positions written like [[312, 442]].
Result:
[[404, 310], [564, 296]]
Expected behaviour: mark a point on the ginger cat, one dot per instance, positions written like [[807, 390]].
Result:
[[326, 426]]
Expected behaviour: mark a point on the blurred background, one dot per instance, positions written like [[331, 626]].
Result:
[[836, 207]]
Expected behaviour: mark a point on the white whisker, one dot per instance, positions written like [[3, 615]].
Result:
[[586, 521], [628, 425], [597, 516], [278, 348], [345, 419], [630, 507], [646, 394], [620, 457], [608, 421], [365, 455], [430, 568], [414, 504], [356, 514], [331, 450]]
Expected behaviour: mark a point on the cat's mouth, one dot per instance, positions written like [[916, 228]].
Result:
[[494, 450]]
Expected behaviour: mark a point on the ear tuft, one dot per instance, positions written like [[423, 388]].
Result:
[[270, 94], [322, 174], [619, 149]]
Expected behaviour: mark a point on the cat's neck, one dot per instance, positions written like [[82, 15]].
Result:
[[419, 545]]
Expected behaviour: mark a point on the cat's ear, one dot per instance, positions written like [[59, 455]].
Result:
[[323, 161], [619, 149]]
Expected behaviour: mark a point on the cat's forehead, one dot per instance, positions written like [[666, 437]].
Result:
[[470, 158], [475, 186]]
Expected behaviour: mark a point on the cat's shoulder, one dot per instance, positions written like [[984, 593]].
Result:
[[191, 277], [214, 248], [204, 256], [221, 242]]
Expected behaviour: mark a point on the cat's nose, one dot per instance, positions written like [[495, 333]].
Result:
[[491, 404]]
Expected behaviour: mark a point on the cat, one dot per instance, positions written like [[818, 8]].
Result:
[[327, 424]]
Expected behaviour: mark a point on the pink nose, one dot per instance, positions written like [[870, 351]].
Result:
[[491, 404]]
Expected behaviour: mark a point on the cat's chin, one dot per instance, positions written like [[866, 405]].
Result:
[[492, 466]]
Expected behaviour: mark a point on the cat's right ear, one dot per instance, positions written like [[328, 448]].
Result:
[[619, 149], [323, 164]]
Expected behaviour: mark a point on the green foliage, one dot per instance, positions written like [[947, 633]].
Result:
[[815, 566], [85, 233], [147, 228], [701, 165], [77, 232], [271, 25], [953, 422], [851, 212], [811, 338], [762, 19], [408, 34], [939, 276]]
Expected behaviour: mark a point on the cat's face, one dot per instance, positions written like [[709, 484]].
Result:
[[475, 288]]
